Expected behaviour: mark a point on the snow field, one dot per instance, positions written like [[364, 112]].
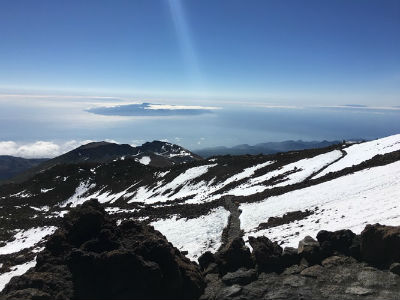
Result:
[[296, 172], [358, 153], [349, 202]]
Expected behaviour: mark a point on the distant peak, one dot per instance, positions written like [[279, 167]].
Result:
[[94, 145]]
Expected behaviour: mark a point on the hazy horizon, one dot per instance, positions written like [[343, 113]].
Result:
[[50, 127], [224, 72]]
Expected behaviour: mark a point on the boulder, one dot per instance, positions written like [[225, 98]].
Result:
[[309, 249], [206, 259], [267, 254], [234, 256], [380, 244], [290, 257], [84, 223], [91, 257], [343, 241]]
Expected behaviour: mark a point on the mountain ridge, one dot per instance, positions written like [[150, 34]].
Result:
[[156, 153], [10, 166], [264, 148]]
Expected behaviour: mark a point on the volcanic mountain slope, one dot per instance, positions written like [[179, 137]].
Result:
[[11, 165], [200, 204], [156, 153]]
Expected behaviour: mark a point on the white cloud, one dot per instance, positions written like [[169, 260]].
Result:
[[111, 141], [8, 148], [136, 143], [174, 107], [40, 149]]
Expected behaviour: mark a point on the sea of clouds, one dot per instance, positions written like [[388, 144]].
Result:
[[38, 149]]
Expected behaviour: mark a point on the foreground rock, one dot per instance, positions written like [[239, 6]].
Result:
[[267, 254], [91, 258], [340, 265], [338, 277], [380, 244]]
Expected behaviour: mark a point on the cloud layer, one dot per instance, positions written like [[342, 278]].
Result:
[[39, 149]]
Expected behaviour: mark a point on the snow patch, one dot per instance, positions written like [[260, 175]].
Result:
[[145, 160], [26, 239], [163, 193], [42, 208], [46, 190], [15, 271], [78, 198], [195, 235], [162, 174]]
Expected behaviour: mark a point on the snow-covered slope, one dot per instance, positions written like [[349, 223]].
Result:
[[288, 174], [349, 202], [187, 202], [356, 154]]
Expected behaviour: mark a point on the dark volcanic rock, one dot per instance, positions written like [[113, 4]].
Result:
[[206, 259], [342, 241], [380, 244], [290, 257], [310, 250], [91, 258], [285, 219], [236, 255], [267, 254], [241, 277], [339, 278]]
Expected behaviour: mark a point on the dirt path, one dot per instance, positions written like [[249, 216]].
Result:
[[232, 230]]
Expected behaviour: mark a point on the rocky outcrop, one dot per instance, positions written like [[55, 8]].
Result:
[[90, 257], [336, 278], [266, 254], [234, 256], [310, 250], [342, 241], [380, 244], [335, 266]]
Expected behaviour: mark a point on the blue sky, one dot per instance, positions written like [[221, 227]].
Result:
[[325, 52], [273, 70]]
